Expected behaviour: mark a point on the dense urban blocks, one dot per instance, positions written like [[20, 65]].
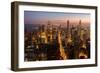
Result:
[[58, 39]]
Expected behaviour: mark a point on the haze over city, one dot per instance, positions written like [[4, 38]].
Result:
[[40, 17]]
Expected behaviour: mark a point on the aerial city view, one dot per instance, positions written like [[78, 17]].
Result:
[[56, 36]]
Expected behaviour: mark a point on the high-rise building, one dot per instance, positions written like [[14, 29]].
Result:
[[68, 27]]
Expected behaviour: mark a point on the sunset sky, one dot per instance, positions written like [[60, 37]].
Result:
[[39, 17]]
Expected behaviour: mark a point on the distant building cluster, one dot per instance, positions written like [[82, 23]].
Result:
[[51, 42]]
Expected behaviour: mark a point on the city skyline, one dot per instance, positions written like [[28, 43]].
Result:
[[44, 40]]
